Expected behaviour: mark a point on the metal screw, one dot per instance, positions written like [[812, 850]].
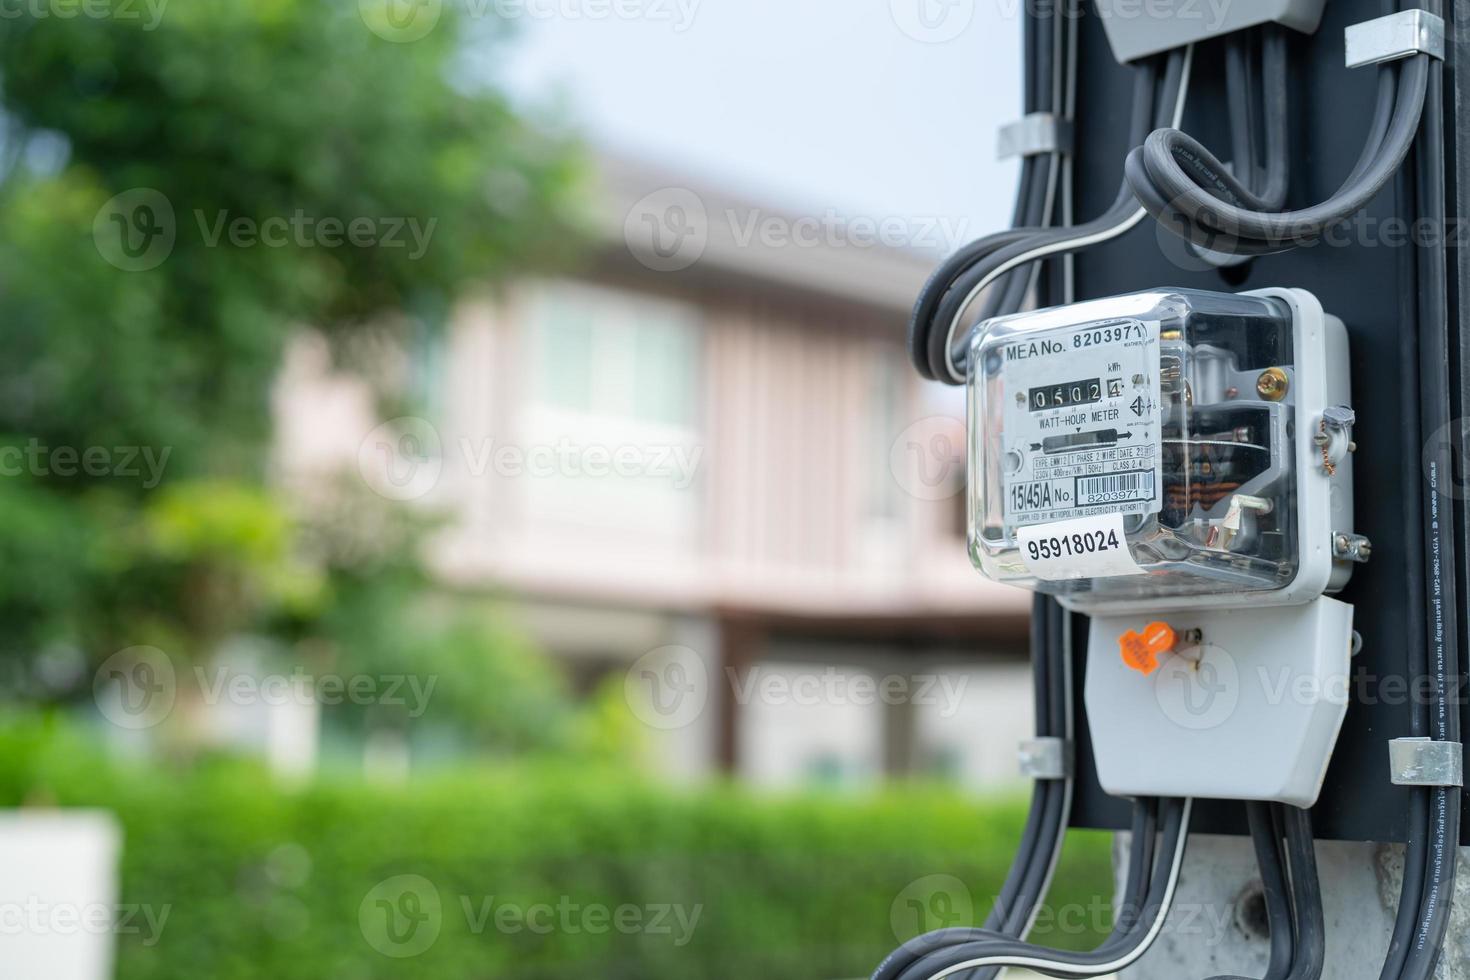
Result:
[[1272, 384], [1352, 547]]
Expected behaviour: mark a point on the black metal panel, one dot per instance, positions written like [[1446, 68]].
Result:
[[1371, 285]]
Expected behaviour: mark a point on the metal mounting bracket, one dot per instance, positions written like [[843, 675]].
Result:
[[1400, 35], [1046, 758], [1039, 132], [1426, 762]]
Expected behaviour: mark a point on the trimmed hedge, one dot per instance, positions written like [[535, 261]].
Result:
[[537, 872]]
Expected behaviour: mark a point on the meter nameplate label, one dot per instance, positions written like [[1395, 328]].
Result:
[[1088, 547], [1081, 425]]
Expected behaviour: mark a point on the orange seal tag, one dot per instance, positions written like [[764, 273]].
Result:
[[1141, 650]]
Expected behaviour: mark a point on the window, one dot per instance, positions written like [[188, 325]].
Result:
[[615, 354], [612, 418]]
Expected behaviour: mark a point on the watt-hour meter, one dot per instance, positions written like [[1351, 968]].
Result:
[[1165, 449], [1177, 464]]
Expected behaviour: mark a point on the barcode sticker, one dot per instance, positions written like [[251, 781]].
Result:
[[1115, 488], [1088, 547]]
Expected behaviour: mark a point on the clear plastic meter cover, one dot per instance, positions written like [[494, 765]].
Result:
[[1135, 446]]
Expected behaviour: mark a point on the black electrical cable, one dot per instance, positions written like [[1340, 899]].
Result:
[[1048, 76], [1133, 901], [1274, 73], [1052, 827], [1061, 58], [1240, 105], [1432, 851], [1007, 898], [955, 284], [972, 252], [1267, 179], [1191, 193], [1030, 874], [1274, 884], [1298, 930], [1031, 191], [1439, 537], [1250, 111], [1311, 929], [1416, 661], [1142, 838], [1047, 71], [1123, 947], [1044, 90]]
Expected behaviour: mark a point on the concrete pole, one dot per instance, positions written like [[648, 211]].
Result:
[[1217, 925]]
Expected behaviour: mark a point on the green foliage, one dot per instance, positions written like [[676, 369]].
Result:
[[491, 687], [473, 685], [606, 730], [222, 115], [378, 615], [261, 881]]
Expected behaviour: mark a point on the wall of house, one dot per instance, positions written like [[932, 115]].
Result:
[[630, 461], [771, 449]]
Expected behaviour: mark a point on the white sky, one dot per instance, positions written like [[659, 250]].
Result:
[[801, 104]]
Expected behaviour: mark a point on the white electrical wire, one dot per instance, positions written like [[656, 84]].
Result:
[[1065, 245], [1122, 962]]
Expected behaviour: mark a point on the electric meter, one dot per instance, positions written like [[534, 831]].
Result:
[[1164, 449]]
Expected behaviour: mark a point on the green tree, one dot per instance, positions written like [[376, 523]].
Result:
[[186, 185]]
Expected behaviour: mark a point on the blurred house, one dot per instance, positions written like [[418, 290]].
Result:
[[703, 464]]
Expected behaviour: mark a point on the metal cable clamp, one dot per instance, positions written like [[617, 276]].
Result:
[[1046, 758], [1036, 133], [1426, 762], [1400, 35]]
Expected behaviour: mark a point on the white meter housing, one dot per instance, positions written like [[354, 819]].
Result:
[[1164, 449], [1177, 464]]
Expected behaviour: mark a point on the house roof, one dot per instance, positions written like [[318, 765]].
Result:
[[702, 228]]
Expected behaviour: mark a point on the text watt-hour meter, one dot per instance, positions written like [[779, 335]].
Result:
[[1177, 464]]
